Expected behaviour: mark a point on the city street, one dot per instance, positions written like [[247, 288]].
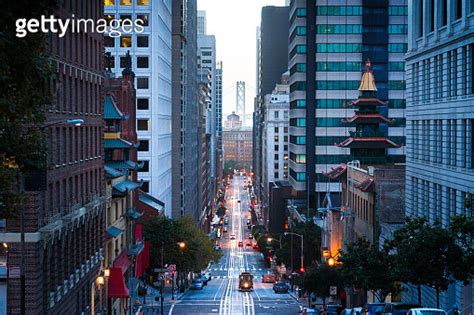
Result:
[[221, 295]]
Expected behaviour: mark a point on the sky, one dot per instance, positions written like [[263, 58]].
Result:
[[234, 23]]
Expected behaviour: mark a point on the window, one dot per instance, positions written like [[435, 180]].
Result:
[[398, 29], [123, 61], [300, 30], [125, 41], [301, 177], [276, 166], [298, 122], [276, 114], [396, 66], [276, 129], [206, 53], [339, 29], [145, 186], [298, 104], [338, 48], [146, 166], [142, 104], [298, 158], [332, 103], [276, 138], [144, 145], [397, 48], [142, 83], [298, 86], [109, 2], [285, 157], [142, 124], [338, 66], [276, 157], [285, 114], [144, 18], [142, 62], [109, 41], [125, 2], [337, 85], [143, 2], [142, 41], [300, 12], [396, 85], [285, 129], [276, 175], [277, 147], [298, 140], [124, 17], [398, 10], [339, 10]]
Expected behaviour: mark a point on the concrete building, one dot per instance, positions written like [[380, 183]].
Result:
[[237, 141], [275, 153], [440, 124], [185, 111], [220, 151], [207, 60], [324, 75], [272, 61], [151, 60], [201, 22], [64, 213]]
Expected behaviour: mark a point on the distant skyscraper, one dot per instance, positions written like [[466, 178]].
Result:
[[440, 125], [201, 23], [325, 74], [185, 111], [272, 61], [151, 61]]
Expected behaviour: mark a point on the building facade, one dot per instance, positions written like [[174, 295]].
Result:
[[185, 109], [440, 124], [237, 142], [325, 73], [275, 138], [220, 153], [151, 63], [64, 214], [272, 61]]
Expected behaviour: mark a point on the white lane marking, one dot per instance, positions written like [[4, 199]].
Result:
[[171, 310]]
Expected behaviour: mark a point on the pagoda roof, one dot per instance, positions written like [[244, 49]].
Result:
[[124, 165], [335, 172], [367, 101], [367, 143], [119, 143], [367, 118], [111, 111], [124, 187], [366, 185], [112, 172], [367, 82]]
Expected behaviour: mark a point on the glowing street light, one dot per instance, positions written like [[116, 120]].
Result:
[[331, 262]]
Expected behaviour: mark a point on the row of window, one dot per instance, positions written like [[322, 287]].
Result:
[[348, 11], [347, 48], [298, 176], [337, 122], [340, 103], [298, 158], [126, 2], [344, 66], [338, 29]]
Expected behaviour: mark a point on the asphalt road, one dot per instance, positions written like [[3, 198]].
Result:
[[221, 295]]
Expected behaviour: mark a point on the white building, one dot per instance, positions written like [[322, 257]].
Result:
[[201, 22], [151, 61], [440, 125], [275, 135]]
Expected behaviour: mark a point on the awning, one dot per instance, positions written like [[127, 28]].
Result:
[[111, 172], [118, 144], [136, 249], [116, 284], [122, 262], [151, 201], [125, 165], [114, 231], [134, 214]]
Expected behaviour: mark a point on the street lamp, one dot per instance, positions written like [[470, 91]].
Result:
[[75, 122], [302, 247]]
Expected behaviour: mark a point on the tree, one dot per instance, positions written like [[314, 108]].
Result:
[[365, 266], [319, 279], [25, 89], [462, 229], [166, 233], [427, 254]]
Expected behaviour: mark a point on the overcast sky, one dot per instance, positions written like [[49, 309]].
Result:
[[234, 23]]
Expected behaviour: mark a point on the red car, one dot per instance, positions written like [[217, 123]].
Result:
[[255, 246], [249, 244], [241, 244]]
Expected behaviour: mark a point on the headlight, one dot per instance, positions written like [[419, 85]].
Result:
[[246, 285]]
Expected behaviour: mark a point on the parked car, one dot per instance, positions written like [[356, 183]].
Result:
[[268, 278], [232, 236], [250, 237], [397, 308], [225, 229], [280, 287], [217, 247], [203, 279], [206, 277], [197, 284], [426, 311], [241, 244], [375, 308], [250, 244]]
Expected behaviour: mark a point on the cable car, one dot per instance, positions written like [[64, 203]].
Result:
[[246, 281]]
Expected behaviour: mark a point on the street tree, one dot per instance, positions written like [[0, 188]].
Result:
[[319, 279], [25, 93], [427, 254], [365, 266]]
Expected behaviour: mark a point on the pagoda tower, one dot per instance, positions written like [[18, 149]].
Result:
[[368, 143]]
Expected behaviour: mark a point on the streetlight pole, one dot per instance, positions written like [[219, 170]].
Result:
[[75, 122]]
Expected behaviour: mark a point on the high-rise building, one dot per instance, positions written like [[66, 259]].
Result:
[[201, 22], [440, 125], [276, 136], [53, 270], [151, 61], [272, 61], [185, 110], [219, 158], [325, 63], [207, 60]]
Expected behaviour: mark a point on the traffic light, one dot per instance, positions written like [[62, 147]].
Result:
[[302, 269]]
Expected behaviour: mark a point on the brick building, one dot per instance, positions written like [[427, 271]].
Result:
[[64, 217], [237, 142]]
